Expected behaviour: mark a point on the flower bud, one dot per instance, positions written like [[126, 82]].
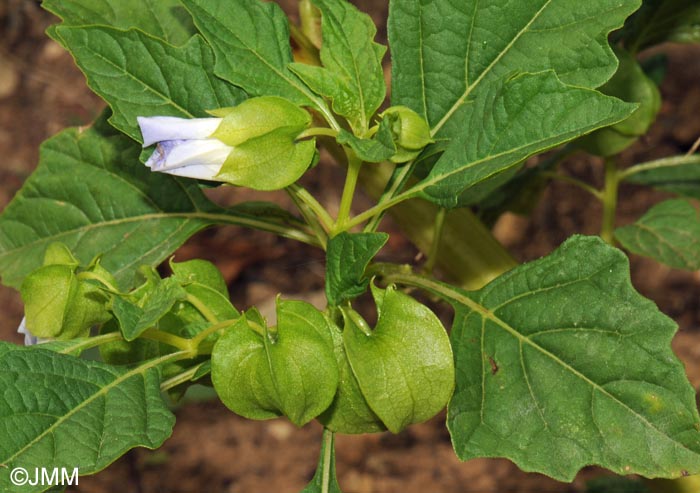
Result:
[[411, 132]]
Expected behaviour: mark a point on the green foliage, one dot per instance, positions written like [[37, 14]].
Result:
[[630, 84], [348, 255], [669, 232], [680, 175], [93, 414], [528, 113], [352, 75], [555, 365], [250, 40], [662, 20], [547, 326], [117, 208], [142, 76], [165, 19], [447, 54], [325, 481]]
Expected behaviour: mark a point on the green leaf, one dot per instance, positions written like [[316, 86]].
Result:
[[630, 84], [165, 19], [561, 364], [663, 20], [270, 162], [250, 40], [138, 75], [380, 147], [404, 366], [91, 193], [678, 174], [136, 318], [352, 75], [669, 232], [200, 272], [61, 411], [347, 258], [446, 54], [524, 115], [261, 373], [325, 480]]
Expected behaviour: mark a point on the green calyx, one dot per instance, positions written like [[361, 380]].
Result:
[[403, 367], [411, 132], [263, 133], [262, 372], [60, 304]]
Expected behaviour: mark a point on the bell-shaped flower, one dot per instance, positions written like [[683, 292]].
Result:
[[184, 146]]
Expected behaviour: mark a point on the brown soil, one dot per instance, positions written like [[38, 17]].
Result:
[[214, 451]]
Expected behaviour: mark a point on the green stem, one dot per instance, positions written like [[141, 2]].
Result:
[[574, 181], [197, 340], [249, 222], [202, 308], [378, 209], [390, 190], [327, 460], [180, 378], [610, 192], [354, 166], [170, 339], [92, 342], [314, 213], [96, 277], [659, 163], [316, 131]]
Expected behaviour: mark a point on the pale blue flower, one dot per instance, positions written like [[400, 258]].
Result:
[[29, 338], [184, 146]]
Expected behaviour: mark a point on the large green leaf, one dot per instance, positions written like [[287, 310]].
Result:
[[352, 74], [513, 120], [142, 76], [562, 364], [165, 19], [446, 53], [663, 20], [91, 193], [250, 39], [669, 232], [679, 174], [60, 411]]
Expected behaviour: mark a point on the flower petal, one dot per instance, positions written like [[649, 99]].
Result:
[[191, 158], [159, 128], [29, 339]]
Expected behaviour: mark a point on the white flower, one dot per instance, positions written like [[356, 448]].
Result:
[[29, 339], [184, 146]]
